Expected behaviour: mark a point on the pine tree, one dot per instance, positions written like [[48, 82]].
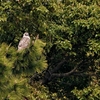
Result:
[[16, 66]]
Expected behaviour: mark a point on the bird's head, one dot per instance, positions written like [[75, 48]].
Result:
[[26, 34]]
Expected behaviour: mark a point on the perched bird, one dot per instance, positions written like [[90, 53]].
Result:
[[24, 42]]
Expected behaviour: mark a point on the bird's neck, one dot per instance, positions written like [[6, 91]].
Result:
[[26, 37]]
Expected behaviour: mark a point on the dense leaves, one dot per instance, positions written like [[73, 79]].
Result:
[[64, 63]]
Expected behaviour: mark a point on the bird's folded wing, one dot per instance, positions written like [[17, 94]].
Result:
[[24, 42]]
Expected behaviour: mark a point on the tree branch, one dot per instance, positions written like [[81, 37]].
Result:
[[84, 73], [58, 66], [48, 73], [66, 74]]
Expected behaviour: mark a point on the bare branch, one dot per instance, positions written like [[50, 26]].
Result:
[[37, 37], [58, 66], [66, 74], [48, 72], [84, 74]]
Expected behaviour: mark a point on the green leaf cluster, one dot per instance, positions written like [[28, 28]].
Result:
[[67, 29]]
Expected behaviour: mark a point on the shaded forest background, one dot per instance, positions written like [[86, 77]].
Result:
[[63, 63]]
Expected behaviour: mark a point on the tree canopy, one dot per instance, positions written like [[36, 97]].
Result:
[[63, 63]]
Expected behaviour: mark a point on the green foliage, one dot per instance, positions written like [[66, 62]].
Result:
[[31, 60], [94, 47], [67, 28], [15, 86], [6, 63], [91, 92]]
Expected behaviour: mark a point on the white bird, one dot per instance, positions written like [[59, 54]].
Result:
[[24, 42]]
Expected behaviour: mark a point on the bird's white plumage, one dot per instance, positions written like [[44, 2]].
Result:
[[24, 42]]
